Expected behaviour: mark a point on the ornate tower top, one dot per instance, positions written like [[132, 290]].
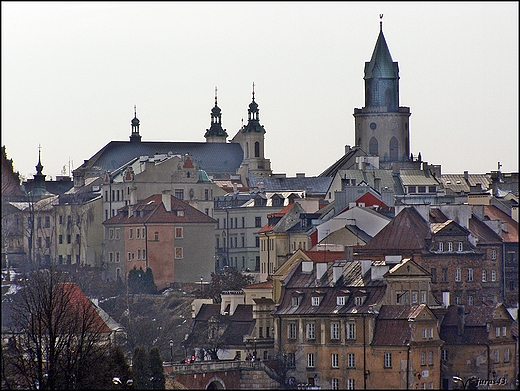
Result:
[[253, 115], [135, 136], [215, 129]]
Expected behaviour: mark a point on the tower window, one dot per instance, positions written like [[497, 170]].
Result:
[[373, 147], [257, 149]]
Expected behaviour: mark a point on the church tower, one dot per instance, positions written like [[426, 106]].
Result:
[[251, 137], [135, 137], [215, 133], [382, 126]]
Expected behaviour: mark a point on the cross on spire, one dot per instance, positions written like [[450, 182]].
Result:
[[215, 95], [381, 22], [253, 90]]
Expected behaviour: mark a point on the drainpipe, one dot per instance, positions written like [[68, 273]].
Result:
[[364, 355], [408, 367]]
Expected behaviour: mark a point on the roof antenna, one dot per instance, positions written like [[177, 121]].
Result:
[[381, 22]]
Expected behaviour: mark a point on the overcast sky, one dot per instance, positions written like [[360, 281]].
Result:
[[72, 73]]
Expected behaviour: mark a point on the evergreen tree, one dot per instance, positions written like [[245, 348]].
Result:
[[140, 281], [141, 369], [158, 379], [149, 283], [118, 367]]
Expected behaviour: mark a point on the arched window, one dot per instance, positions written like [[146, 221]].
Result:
[[393, 149], [247, 150], [257, 149], [156, 236], [373, 147]]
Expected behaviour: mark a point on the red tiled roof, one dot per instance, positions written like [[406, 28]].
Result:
[[155, 212], [324, 256], [493, 213], [392, 332], [261, 285], [80, 303]]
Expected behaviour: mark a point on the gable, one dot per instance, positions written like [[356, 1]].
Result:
[[406, 268], [448, 228]]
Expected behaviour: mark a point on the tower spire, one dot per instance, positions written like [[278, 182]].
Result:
[[253, 91], [215, 95], [135, 136]]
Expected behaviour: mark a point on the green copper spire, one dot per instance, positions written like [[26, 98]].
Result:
[[382, 76]]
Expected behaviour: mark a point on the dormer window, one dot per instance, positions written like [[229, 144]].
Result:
[[295, 301], [180, 213], [450, 247], [441, 246], [340, 300], [459, 247], [359, 300], [316, 301]]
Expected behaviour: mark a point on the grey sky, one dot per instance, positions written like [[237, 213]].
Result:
[[72, 73]]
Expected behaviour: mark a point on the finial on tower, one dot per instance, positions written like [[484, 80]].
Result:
[[135, 112], [215, 95], [253, 91], [381, 22]]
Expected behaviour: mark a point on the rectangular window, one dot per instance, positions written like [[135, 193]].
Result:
[[261, 332], [493, 254], [340, 300], [206, 194], [432, 189], [434, 274], [359, 300], [310, 330], [47, 222], [351, 331], [459, 247], [506, 355], [444, 355], [504, 331], [142, 233], [129, 256], [334, 330], [334, 360], [111, 257], [334, 383], [178, 253], [424, 333], [60, 219], [423, 296], [257, 241], [496, 356], [118, 233], [470, 300], [441, 246], [388, 360], [179, 232], [295, 301], [118, 257], [351, 360], [243, 241], [316, 301], [138, 253], [423, 358], [258, 222], [493, 275], [457, 274], [291, 360], [411, 189], [144, 254], [470, 274], [484, 275], [137, 233], [430, 358], [78, 239], [69, 239], [421, 189], [444, 274], [179, 193], [450, 247], [350, 384], [430, 333], [130, 233], [310, 360], [60, 239], [497, 332], [414, 297], [291, 331], [111, 233]]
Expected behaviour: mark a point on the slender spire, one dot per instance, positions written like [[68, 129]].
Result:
[[216, 133], [39, 167], [135, 136], [215, 95], [253, 91], [381, 23], [135, 111]]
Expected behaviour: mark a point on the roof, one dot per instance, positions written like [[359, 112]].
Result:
[[381, 61], [152, 210], [459, 184], [417, 178], [482, 232], [311, 185], [324, 256], [407, 231], [214, 158], [493, 213]]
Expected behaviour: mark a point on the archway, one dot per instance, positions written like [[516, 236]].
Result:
[[215, 384]]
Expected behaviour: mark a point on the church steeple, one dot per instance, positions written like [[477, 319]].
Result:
[[253, 115], [38, 189], [382, 76], [216, 133], [135, 136]]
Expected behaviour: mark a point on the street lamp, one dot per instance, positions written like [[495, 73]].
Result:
[[171, 351]]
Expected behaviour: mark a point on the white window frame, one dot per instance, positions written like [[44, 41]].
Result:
[[310, 360], [351, 384], [334, 330], [351, 360], [291, 331], [351, 330], [441, 246], [470, 274], [316, 301], [334, 360], [340, 300], [457, 274], [334, 383], [459, 247], [450, 247], [311, 331], [387, 360], [493, 275], [484, 275]]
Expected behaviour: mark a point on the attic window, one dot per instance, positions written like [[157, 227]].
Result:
[[316, 301], [295, 301], [180, 213], [359, 300], [340, 300]]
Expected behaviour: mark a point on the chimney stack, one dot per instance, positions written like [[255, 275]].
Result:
[[167, 200]]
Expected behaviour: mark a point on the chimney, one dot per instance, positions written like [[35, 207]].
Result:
[[300, 175], [321, 268], [235, 188], [466, 175], [167, 200]]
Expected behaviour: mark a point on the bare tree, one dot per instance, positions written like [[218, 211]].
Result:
[[58, 340]]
